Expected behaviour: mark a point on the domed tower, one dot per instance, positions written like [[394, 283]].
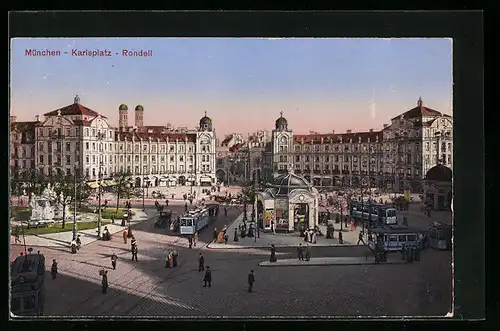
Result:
[[205, 123], [281, 123], [282, 140], [123, 117], [139, 116]]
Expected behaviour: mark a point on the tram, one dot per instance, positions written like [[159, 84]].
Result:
[[27, 289], [374, 212], [194, 220], [440, 236], [393, 238]]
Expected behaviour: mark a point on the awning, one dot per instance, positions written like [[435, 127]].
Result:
[[191, 178], [104, 183], [163, 179], [206, 179], [93, 184]]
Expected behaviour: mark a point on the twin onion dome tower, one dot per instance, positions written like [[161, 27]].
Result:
[[205, 121]]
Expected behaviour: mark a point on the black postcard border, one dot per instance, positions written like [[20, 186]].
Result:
[[466, 29]]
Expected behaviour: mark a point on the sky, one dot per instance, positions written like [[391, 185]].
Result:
[[320, 84]]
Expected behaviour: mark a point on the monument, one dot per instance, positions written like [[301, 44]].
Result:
[[47, 208]]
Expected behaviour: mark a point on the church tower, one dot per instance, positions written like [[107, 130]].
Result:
[[139, 117], [123, 118]]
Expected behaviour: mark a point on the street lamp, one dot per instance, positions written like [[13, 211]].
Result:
[[100, 136], [74, 198]]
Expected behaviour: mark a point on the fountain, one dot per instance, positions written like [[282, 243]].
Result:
[[46, 208]]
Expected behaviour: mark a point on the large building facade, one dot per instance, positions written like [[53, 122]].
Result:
[[76, 138], [396, 157]]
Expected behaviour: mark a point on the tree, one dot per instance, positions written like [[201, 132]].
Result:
[[249, 194], [64, 188], [122, 187]]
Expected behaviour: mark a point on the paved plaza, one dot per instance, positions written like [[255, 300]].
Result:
[[147, 288]]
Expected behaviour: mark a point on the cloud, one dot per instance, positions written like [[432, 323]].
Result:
[[373, 109]]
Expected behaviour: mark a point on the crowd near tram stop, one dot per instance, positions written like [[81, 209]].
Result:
[[27, 289]]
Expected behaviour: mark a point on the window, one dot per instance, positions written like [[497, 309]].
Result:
[[190, 149], [93, 132], [129, 158], [136, 158], [15, 304], [427, 147], [121, 158], [144, 169], [297, 148], [145, 148], [68, 160], [41, 159], [162, 159], [162, 169], [87, 132], [191, 158], [181, 149], [144, 159], [449, 158], [327, 148], [68, 147], [137, 148], [153, 158], [68, 132], [153, 149], [136, 170], [297, 158], [181, 158], [93, 158], [93, 146], [172, 149], [171, 158], [93, 172], [393, 238]]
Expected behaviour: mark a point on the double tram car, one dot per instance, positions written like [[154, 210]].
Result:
[[393, 238], [440, 236], [374, 212], [27, 289]]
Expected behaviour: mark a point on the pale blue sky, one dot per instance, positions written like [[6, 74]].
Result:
[[320, 84]]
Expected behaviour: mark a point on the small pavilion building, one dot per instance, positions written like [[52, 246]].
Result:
[[438, 188], [290, 201]]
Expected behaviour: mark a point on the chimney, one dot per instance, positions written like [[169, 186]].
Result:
[[349, 131], [333, 131], [13, 119], [371, 130], [385, 126]]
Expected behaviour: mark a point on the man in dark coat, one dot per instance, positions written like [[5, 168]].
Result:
[[215, 235], [341, 238], [104, 283], [201, 263], [300, 252], [53, 270], [251, 280], [175, 256], [113, 261], [273, 254], [208, 278], [360, 238], [236, 234]]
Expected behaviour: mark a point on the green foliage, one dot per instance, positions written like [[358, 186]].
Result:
[[58, 228], [20, 213], [112, 213], [248, 194], [124, 188]]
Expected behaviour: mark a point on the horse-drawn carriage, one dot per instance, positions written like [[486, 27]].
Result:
[[164, 219]]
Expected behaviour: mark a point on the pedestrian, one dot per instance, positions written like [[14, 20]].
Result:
[[166, 202], [226, 238], [236, 234], [208, 278], [341, 238], [53, 269], [113, 261], [201, 263], [405, 221], [167, 259], [175, 256], [190, 241], [134, 253], [307, 253], [360, 238], [215, 235], [104, 282], [273, 228], [273, 254], [300, 252], [251, 280], [125, 236], [16, 235], [314, 237], [185, 207], [225, 212], [195, 238], [133, 242]]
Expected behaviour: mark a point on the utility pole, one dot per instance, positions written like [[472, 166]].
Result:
[[100, 137]]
